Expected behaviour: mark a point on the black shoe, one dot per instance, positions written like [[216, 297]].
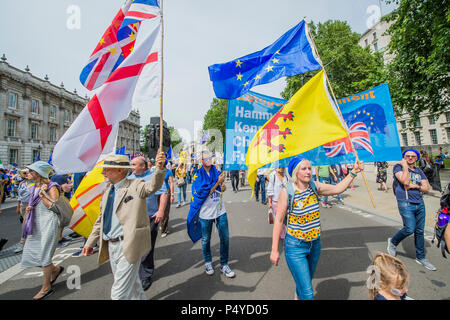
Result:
[[146, 283], [2, 243]]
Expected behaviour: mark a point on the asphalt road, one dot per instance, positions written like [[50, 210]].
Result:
[[350, 239]]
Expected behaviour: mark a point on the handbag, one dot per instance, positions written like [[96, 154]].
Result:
[[61, 207], [270, 216], [180, 182]]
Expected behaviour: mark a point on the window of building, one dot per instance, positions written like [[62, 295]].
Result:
[[431, 119], [12, 125], [403, 124], [433, 135], [52, 134], [447, 116], [374, 36], [375, 46], [417, 136], [35, 155], [448, 133], [13, 156], [405, 139], [418, 124], [66, 116], [34, 130], [366, 42], [34, 106], [13, 100], [52, 112]]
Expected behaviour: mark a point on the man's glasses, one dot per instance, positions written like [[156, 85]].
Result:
[[408, 156], [207, 159]]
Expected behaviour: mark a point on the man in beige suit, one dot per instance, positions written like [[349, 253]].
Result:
[[122, 229]]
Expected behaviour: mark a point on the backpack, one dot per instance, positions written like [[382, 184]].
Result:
[[439, 231]]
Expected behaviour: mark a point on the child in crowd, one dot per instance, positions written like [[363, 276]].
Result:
[[388, 278]]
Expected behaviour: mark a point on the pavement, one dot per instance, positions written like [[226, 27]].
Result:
[[385, 202]]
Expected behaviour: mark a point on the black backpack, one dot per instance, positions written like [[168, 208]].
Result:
[[439, 231]]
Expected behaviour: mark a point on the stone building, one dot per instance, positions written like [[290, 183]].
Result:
[[431, 130], [34, 114]]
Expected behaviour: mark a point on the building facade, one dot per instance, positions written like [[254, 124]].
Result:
[[431, 130], [35, 113]]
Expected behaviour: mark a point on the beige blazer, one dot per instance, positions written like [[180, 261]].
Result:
[[132, 216]]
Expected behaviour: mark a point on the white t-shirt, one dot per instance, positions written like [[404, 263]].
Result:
[[211, 207]]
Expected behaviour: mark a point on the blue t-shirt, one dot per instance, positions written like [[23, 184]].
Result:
[[414, 195], [166, 178], [152, 200]]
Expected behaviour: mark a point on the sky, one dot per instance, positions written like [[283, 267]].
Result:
[[56, 38]]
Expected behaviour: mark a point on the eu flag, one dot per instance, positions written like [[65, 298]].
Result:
[[290, 55], [201, 186]]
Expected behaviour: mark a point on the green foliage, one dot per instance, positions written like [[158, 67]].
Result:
[[349, 67], [175, 138], [144, 140], [419, 73], [216, 117]]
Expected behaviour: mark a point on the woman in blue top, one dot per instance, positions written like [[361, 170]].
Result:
[[302, 243]]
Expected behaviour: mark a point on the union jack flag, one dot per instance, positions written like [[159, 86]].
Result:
[[117, 42], [359, 135]]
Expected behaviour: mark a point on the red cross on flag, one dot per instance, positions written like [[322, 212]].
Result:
[[131, 85]]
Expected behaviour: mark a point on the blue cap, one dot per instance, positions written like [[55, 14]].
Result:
[[42, 168], [294, 163], [412, 150]]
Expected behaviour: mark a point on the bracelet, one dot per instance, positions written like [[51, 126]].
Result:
[[353, 174]]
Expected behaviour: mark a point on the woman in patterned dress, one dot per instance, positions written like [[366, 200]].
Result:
[[302, 242], [41, 228], [382, 175]]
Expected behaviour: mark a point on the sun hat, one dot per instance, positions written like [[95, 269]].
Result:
[[294, 163], [116, 161], [412, 150], [42, 168]]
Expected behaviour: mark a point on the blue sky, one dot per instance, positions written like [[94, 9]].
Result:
[[198, 33]]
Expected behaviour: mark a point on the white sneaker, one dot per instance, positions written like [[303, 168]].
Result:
[[227, 271], [427, 264], [391, 249], [209, 269], [178, 205]]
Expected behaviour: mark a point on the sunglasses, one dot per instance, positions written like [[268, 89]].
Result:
[[408, 156], [207, 159]]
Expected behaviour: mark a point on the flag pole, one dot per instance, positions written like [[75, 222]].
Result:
[[340, 113], [161, 131]]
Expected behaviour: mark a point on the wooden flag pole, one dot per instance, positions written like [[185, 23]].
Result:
[[346, 127], [161, 131]]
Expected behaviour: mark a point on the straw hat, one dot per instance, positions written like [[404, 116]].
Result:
[[116, 161], [24, 172]]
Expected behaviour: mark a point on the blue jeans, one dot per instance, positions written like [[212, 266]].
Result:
[[182, 189], [328, 181], [302, 258], [413, 216], [262, 184], [222, 227]]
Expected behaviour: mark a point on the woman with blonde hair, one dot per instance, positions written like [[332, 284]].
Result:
[[41, 228], [180, 181], [388, 279]]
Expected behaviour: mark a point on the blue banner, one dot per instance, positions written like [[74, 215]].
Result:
[[369, 116], [245, 115]]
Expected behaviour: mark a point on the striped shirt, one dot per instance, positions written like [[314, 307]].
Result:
[[304, 220]]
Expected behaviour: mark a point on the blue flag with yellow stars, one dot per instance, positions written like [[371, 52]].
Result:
[[201, 186], [290, 55]]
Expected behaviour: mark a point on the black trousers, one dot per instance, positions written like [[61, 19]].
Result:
[[148, 261], [235, 182]]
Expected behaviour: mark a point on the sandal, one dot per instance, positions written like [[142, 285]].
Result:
[[44, 294], [61, 269]]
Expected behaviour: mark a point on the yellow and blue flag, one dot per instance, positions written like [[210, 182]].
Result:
[[308, 120], [291, 54]]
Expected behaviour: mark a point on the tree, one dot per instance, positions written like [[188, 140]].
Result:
[[349, 67], [419, 72], [144, 140], [216, 117]]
